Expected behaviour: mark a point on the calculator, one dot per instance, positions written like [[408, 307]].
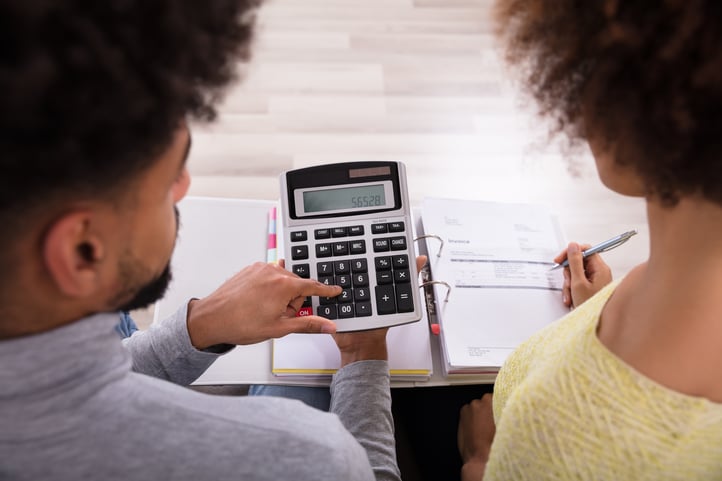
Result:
[[349, 224]]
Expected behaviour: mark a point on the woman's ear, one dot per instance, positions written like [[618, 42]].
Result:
[[72, 254]]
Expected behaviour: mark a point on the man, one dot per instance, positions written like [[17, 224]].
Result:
[[94, 145]]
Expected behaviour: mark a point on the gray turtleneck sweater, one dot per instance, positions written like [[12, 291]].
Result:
[[76, 405]]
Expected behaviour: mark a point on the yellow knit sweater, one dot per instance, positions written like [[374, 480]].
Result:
[[567, 408]]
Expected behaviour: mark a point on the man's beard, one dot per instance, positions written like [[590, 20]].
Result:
[[149, 293], [140, 297]]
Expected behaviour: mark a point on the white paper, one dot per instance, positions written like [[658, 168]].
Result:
[[496, 258]]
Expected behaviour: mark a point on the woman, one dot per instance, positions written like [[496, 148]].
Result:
[[628, 386]]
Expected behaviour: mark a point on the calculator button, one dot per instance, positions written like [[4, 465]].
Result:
[[363, 309], [345, 296], [359, 265], [307, 302], [357, 247], [345, 311], [401, 276], [379, 228], [322, 233], [385, 300], [323, 250], [382, 263], [326, 280], [298, 236], [327, 301], [361, 294], [340, 248], [302, 270], [324, 268], [398, 243], [400, 262], [356, 230], [341, 267], [299, 252], [404, 300], [360, 280], [381, 245], [384, 277], [339, 232], [343, 281], [304, 311], [396, 226], [329, 312]]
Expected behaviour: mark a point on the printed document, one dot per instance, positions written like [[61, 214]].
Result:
[[496, 258]]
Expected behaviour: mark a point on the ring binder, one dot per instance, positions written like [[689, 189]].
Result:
[[496, 259], [448, 287], [432, 236], [427, 282], [430, 301]]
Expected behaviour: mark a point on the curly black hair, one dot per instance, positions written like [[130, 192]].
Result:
[[93, 91], [643, 77]]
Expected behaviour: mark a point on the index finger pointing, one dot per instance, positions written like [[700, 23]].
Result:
[[310, 287]]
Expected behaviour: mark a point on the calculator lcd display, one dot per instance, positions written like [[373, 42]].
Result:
[[357, 197]]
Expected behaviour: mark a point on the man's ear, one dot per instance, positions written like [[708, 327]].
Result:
[[72, 253]]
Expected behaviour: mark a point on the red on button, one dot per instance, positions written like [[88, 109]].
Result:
[[304, 311]]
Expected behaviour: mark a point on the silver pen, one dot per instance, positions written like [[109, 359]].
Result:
[[605, 246]]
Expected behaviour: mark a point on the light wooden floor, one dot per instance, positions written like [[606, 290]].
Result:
[[413, 80]]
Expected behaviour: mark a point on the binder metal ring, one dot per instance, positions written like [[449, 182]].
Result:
[[441, 242], [448, 287]]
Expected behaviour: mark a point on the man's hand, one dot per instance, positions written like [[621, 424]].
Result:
[[366, 345], [257, 304], [584, 277], [475, 435]]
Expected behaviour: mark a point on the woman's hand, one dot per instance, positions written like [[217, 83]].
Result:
[[584, 277], [475, 435]]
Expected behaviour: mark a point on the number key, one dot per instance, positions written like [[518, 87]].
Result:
[[359, 265], [345, 311], [341, 267], [360, 280], [361, 294], [324, 268], [329, 312], [345, 296], [343, 281]]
